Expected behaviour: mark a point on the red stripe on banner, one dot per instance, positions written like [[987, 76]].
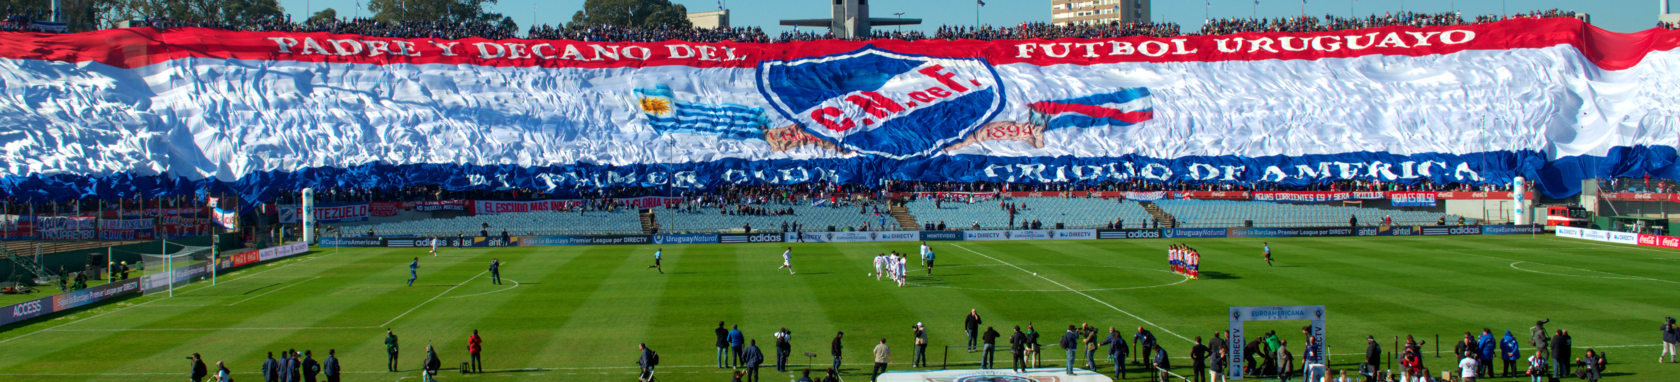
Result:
[[1092, 110], [135, 47]]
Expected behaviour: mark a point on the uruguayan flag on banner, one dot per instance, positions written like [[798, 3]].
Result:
[[670, 115], [1122, 108]]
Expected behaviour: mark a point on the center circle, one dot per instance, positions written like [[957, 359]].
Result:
[[1180, 281]]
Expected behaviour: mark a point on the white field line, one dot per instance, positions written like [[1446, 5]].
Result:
[[1110, 306], [446, 291], [209, 329], [272, 291], [1514, 263], [515, 285]]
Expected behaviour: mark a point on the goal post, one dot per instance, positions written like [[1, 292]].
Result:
[[166, 270]]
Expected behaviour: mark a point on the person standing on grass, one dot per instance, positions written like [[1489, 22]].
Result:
[[429, 369], [475, 346], [391, 350], [722, 346], [1145, 341], [1286, 368], [198, 368], [413, 271], [294, 367], [971, 324], [883, 356], [920, 333], [1198, 359], [656, 255], [835, 348], [735, 342], [1032, 346], [880, 261], [754, 359], [1017, 350], [1117, 349], [434, 246], [1467, 367], [310, 367], [222, 373], [784, 348], [496, 271], [1671, 340], [1162, 363], [1220, 357], [787, 260], [1484, 358], [1561, 344], [1266, 249], [988, 347], [271, 369], [1070, 343], [330, 366]]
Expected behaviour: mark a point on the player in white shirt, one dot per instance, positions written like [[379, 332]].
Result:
[[881, 259], [434, 246], [903, 268], [925, 250], [787, 260]]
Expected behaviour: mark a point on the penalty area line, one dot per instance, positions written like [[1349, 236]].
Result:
[[1110, 306]]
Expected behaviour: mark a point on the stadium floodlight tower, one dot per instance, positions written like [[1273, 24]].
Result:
[[850, 19]]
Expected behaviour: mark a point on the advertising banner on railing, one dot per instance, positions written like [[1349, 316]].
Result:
[[440, 205], [228, 219], [491, 207], [1290, 232], [341, 213], [1302, 196], [545, 241], [66, 228], [1412, 199], [66, 301], [383, 209], [941, 236], [1194, 233], [685, 238], [575, 116], [1130, 233], [1144, 196], [351, 242], [1213, 195], [1659, 241], [1513, 230]]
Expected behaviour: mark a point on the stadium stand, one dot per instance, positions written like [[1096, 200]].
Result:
[[530, 223], [1231, 213], [1071, 212], [812, 218]]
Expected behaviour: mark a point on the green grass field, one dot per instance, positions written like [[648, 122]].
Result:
[[577, 313]]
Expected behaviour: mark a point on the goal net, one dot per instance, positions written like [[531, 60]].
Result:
[[163, 272]]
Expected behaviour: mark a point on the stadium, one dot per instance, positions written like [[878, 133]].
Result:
[[431, 193]]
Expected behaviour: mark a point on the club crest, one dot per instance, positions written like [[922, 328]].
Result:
[[884, 103]]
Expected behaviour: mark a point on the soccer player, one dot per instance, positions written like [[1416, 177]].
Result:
[[656, 255], [903, 269], [787, 260], [1195, 265], [881, 259], [413, 271], [434, 246], [1266, 248], [496, 271]]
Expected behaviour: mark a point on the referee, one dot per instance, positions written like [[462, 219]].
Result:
[[656, 256]]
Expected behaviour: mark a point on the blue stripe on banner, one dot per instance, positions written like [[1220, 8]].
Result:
[[1083, 121], [1122, 96]]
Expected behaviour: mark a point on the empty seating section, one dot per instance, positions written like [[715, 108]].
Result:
[[1071, 212], [1230, 213], [811, 218], [541, 223]]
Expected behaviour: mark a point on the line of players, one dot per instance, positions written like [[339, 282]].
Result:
[[896, 266], [1184, 260]]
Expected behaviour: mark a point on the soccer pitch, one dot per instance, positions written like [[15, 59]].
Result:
[[577, 313]]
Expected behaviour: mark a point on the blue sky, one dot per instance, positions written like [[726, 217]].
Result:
[[1615, 15]]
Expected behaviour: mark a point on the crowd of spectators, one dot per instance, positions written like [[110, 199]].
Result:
[[1669, 26], [25, 21], [456, 30]]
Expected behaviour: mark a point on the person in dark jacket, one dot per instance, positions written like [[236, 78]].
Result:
[[1220, 357], [1671, 340], [1286, 368], [429, 369], [1070, 343], [1091, 344], [1117, 349], [645, 360], [1592, 367], [972, 325], [1145, 341], [294, 367], [1017, 351], [1373, 358], [1198, 359], [722, 346], [1251, 349], [989, 343], [835, 348], [271, 369], [784, 348], [1032, 346], [198, 368], [753, 359], [1560, 354], [1509, 353], [310, 367], [330, 366], [391, 350], [1161, 364], [286, 366]]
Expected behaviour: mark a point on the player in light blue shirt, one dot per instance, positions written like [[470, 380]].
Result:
[[656, 255], [1267, 249]]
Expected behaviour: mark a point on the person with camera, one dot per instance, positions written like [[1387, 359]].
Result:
[[198, 368]]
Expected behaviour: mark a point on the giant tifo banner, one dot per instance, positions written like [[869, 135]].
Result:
[[1554, 100]]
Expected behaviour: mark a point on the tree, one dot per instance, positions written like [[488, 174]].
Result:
[[633, 13], [324, 16], [79, 15], [234, 13], [508, 24], [453, 11]]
